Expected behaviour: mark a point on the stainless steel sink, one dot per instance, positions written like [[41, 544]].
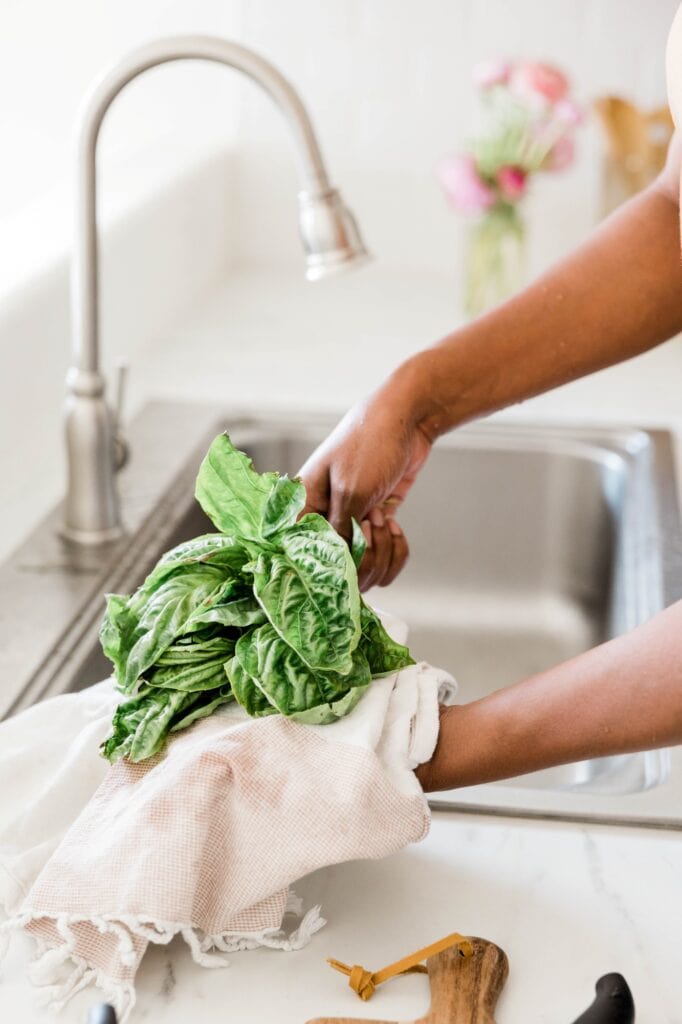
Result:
[[528, 545]]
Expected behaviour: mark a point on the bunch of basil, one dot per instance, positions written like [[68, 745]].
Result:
[[267, 612]]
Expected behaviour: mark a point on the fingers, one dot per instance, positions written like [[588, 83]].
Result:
[[400, 552], [387, 550], [329, 493], [371, 458], [345, 504], [382, 544]]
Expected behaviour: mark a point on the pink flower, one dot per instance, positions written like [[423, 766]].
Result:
[[489, 73], [463, 185], [569, 113], [511, 182], [561, 154], [534, 81]]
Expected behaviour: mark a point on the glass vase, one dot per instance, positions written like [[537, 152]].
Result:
[[495, 258]]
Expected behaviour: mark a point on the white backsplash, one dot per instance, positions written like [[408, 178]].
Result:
[[388, 83]]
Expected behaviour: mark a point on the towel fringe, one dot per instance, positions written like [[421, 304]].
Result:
[[46, 971], [311, 923]]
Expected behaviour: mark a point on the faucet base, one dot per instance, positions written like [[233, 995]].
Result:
[[90, 538], [91, 507]]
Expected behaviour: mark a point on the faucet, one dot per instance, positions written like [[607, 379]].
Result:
[[329, 235]]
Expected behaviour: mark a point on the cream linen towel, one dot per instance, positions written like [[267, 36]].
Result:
[[205, 839]]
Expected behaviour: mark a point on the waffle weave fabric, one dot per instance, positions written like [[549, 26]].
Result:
[[203, 840]]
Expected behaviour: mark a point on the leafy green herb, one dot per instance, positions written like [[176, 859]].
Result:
[[266, 612]]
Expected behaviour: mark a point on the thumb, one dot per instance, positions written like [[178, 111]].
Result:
[[316, 483]]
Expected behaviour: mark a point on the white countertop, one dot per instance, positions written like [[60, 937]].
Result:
[[568, 903]]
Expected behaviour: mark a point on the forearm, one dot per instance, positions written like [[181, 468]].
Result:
[[616, 296], [623, 696]]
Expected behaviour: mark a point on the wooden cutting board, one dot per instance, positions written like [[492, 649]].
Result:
[[464, 990]]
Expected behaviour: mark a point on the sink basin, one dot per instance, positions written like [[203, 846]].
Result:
[[528, 545]]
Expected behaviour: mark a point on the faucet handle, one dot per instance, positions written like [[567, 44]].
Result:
[[121, 449]]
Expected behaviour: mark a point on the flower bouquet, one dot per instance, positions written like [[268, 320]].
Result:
[[529, 122]]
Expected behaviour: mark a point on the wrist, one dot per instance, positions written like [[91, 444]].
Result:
[[413, 395], [474, 745], [442, 770], [421, 385]]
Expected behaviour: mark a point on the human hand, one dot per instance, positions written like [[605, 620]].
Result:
[[387, 550], [364, 471]]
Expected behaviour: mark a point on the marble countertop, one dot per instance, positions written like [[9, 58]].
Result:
[[567, 902]]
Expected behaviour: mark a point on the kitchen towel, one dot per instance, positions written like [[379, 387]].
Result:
[[206, 838]]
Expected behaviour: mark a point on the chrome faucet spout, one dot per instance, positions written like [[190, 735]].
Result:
[[328, 232]]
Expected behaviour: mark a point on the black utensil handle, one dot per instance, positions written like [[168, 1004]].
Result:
[[102, 1014], [613, 1003]]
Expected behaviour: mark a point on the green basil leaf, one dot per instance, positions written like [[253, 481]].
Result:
[[189, 650], [247, 692], [141, 724], [212, 549], [325, 714], [241, 502], [118, 632], [152, 731], [285, 679], [383, 654], [205, 704], [239, 613], [192, 678], [358, 544], [308, 588], [284, 503], [166, 614]]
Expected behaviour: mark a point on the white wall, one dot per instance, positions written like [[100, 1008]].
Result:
[[388, 82], [49, 54]]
